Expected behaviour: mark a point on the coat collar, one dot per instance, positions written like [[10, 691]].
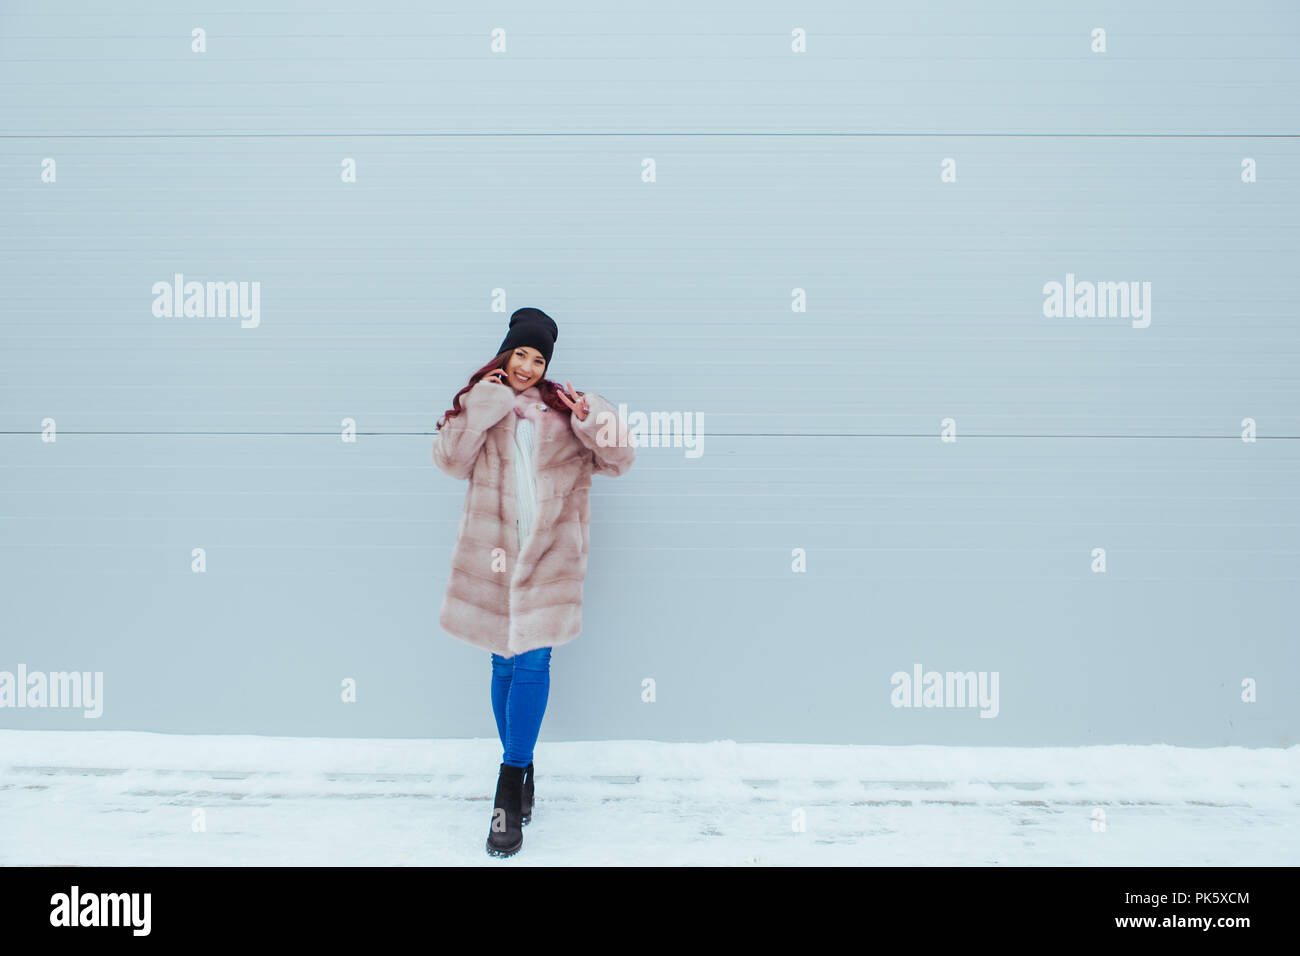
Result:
[[529, 404]]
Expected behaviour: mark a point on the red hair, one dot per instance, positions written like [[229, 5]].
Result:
[[550, 390]]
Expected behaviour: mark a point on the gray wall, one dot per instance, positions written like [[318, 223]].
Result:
[[522, 171]]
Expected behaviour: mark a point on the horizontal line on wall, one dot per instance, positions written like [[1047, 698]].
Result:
[[1094, 527], [353, 81], [411, 135], [774, 548], [784, 496], [658, 578], [857, 470], [927, 435], [926, 35]]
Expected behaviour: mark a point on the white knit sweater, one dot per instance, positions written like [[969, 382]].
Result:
[[525, 480]]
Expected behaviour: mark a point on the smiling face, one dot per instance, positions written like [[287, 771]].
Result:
[[525, 367]]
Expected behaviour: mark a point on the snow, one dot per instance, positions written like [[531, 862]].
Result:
[[120, 798]]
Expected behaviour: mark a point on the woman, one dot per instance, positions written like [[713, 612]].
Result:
[[529, 449]]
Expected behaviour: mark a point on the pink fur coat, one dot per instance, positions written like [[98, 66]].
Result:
[[500, 597]]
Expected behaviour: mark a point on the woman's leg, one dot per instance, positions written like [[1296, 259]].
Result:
[[525, 705], [503, 668]]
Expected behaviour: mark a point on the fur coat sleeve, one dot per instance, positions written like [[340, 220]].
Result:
[[605, 435], [457, 444]]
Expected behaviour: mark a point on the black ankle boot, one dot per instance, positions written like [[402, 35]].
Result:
[[506, 835], [528, 793]]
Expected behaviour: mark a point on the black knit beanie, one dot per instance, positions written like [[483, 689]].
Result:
[[531, 327]]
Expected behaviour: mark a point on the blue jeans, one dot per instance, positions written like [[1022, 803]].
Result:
[[520, 685]]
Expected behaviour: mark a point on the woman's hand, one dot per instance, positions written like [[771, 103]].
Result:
[[578, 406], [496, 371]]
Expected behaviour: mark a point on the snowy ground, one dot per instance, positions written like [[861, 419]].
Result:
[[123, 798]]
